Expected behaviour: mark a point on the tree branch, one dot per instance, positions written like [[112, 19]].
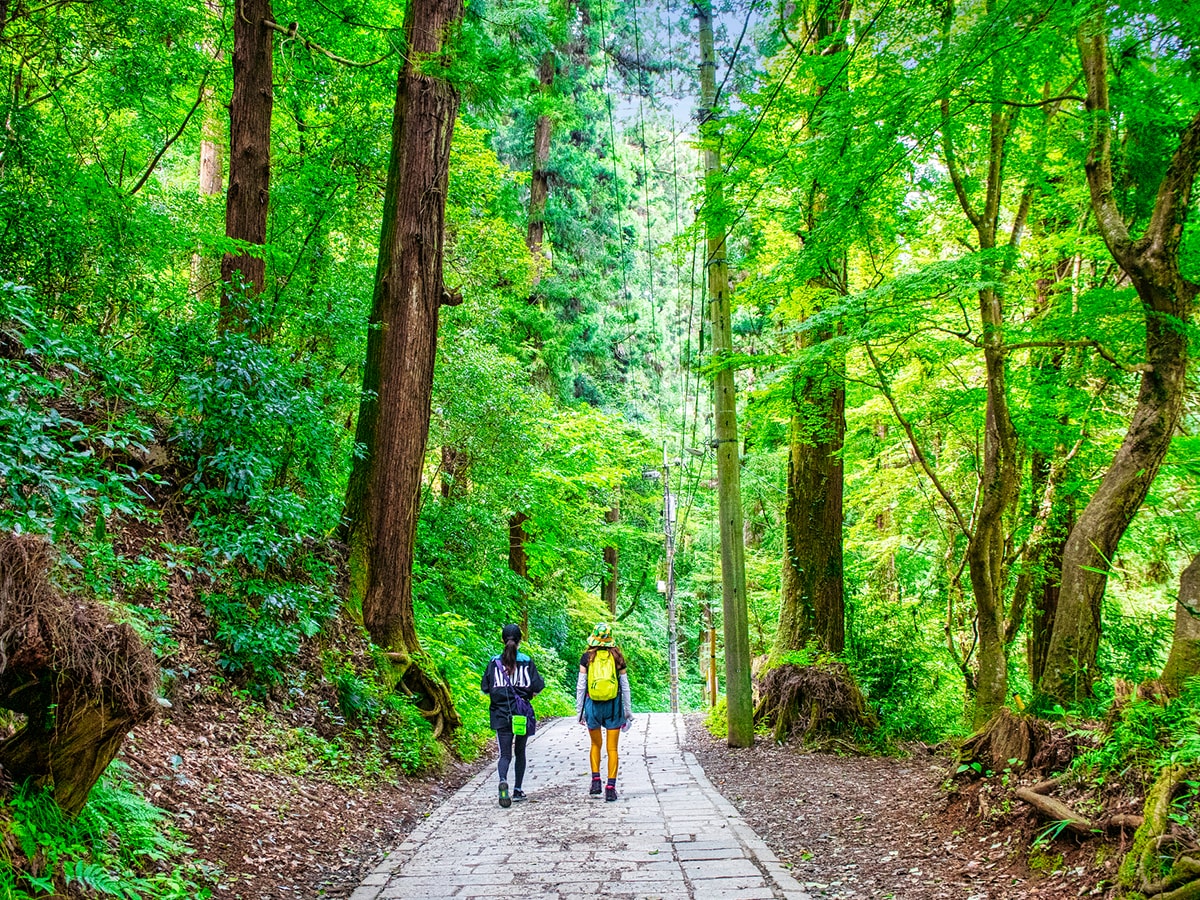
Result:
[[1092, 40], [1105, 354], [172, 139], [912, 440], [952, 167]]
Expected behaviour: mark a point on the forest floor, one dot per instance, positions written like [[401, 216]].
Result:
[[849, 827], [854, 827]]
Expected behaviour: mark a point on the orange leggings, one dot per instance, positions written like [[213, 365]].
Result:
[[614, 735]]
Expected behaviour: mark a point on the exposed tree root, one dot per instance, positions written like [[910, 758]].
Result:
[[1057, 811], [1021, 743], [1161, 864], [820, 700], [431, 695], [81, 680]]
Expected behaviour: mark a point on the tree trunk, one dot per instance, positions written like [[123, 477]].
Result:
[[1040, 575], [539, 185], [999, 478], [249, 156], [608, 588], [454, 472], [518, 562], [205, 270], [1168, 299], [393, 423], [1184, 661], [813, 603], [739, 697]]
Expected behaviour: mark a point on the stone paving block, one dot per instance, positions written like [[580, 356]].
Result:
[[733, 883], [720, 868], [764, 893], [685, 853]]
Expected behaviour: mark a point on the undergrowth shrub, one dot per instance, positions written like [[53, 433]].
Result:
[[67, 436], [391, 719], [261, 623], [895, 653], [1148, 735], [1135, 646], [120, 845]]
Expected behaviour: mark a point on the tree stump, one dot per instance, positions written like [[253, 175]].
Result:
[[819, 700], [81, 680]]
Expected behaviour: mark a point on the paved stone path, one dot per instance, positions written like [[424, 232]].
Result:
[[669, 836]]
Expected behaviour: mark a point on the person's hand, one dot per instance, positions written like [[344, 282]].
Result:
[[628, 722]]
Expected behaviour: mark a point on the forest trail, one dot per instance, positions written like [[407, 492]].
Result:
[[669, 836]]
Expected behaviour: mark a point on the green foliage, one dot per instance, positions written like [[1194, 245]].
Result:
[[716, 719], [59, 471], [1148, 735], [118, 846], [261, 624]]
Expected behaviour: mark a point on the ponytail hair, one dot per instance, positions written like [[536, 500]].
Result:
[[511, 636]]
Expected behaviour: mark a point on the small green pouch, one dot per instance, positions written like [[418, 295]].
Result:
[[519, 724]]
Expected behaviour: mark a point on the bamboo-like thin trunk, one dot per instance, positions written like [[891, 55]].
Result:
[[739, 698]]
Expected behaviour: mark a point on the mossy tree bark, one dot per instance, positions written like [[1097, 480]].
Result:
[[1184, 661], [812, 602], [393, 423], [1168, 300]]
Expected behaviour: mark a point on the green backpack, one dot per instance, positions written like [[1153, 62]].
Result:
[[602, 676]]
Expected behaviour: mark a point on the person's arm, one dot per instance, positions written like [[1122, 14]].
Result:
[[486, 684], [626, 701], [536, 682], [580, 691]]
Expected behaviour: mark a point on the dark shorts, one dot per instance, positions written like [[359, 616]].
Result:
[[603, 713]]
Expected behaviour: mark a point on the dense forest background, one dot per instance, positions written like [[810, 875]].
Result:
[[963, 258]]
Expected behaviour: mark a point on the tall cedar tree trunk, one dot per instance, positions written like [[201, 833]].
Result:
[[738, 694], [205, 270], [539, 186], [608, 583], [1184, 661], [249, 155], [518, 561], [1168, 300], [812, 602], [393, 422]]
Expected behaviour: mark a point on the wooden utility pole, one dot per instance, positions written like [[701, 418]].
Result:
[[672, 616], [739, 700]]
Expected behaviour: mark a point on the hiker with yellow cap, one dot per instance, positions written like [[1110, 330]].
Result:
[[602, 701]]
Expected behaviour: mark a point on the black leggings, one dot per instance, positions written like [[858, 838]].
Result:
[[506, 754]]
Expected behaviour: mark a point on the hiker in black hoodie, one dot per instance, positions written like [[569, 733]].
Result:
[[511, 681]]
